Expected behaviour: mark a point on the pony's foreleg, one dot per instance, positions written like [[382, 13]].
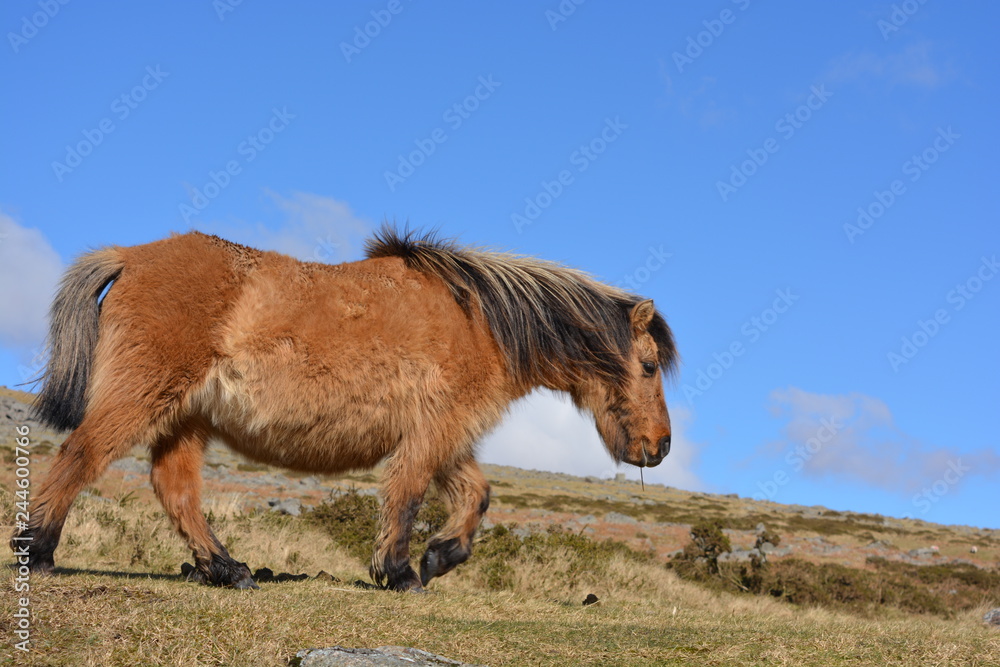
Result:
[[176, 478], [83, 457], [405, 482], [467, 495]]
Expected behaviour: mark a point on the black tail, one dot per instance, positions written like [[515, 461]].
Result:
[[73, 337]]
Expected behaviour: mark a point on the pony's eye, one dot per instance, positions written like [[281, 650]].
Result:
[[648, 367]]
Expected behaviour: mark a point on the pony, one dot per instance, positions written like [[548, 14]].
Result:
[[408, 356]]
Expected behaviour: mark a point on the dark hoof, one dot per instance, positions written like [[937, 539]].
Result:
[[406, 586], [441, 558], [220, 573], [41, 568], [429, 566], [36, 548], [191, 573]]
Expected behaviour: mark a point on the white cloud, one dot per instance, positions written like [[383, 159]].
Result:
[[29, 272], [545, 431], [912, 66], [697, 102], [312, 228], [854, 437]]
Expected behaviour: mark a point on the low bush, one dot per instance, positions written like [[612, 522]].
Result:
[[942, 590]]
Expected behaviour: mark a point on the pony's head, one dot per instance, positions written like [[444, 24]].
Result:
[[562, 329], [628, 407]]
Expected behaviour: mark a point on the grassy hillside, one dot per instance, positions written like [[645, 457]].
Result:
[[549, 541]]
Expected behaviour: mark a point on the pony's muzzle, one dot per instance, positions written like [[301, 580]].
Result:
[[664, 446], [662, 449]]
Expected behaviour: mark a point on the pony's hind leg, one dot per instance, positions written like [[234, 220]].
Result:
[[467, 495], [86, 453], [176, 477]]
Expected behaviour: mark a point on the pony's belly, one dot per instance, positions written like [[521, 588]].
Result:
[[327, 453], [317, 432]]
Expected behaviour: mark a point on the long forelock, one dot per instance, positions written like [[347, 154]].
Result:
[[551, 322]]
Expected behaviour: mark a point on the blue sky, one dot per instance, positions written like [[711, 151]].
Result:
[[804, 189]]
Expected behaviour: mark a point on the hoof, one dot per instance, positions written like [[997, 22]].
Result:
[[406, 586], [38, 549], [246, 583], [226, 575], [441, 558]]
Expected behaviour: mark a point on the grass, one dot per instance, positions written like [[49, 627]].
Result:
[[118, 600]]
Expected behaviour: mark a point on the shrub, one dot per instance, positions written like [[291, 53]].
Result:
[[351, 519], [930, 589]]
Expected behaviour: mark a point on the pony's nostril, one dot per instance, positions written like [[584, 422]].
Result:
[[664, 446]]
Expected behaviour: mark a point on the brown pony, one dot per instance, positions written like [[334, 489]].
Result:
[[409, 356]]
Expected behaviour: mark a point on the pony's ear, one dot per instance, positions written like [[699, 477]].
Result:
[[641, 315]]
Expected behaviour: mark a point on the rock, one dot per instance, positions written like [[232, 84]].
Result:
[[920, 553], [881, 545], [738, 555], [760, 529], [620, 477], [290, 506], [521, 532], [617, 517], [384, 656], [992, 617], [133, 465], [767, 548]]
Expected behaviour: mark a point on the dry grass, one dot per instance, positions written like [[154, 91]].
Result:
[[118, 598], [118, 601]]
